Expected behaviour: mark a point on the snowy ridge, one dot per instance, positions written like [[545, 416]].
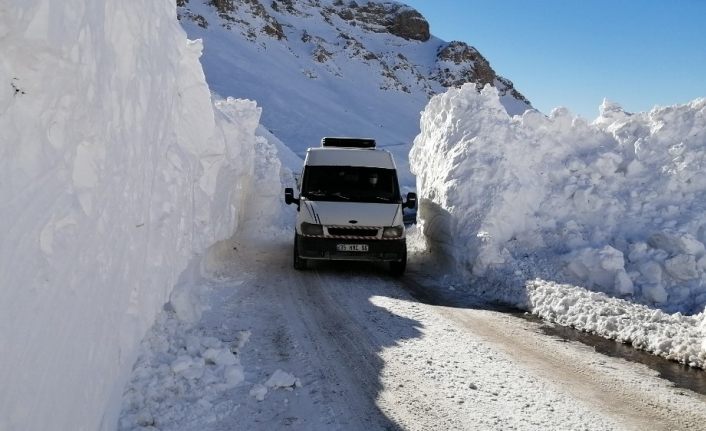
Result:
[[116, 170], [333, 68], [616, 206]]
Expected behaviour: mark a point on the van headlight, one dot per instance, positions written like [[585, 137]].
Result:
[[393, 232], [312, 229]]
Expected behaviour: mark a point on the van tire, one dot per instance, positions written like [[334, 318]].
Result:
[[300, 264], [397, 268]]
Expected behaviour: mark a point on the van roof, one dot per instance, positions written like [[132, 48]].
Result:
[[369, 158]]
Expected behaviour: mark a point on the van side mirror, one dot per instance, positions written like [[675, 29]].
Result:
[[289, 196], [411, 201]]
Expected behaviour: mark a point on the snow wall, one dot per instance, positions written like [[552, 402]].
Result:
[[616, 206], [116, 170]]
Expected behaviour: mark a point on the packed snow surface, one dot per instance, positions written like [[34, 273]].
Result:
[[615, 206], [116, 169]]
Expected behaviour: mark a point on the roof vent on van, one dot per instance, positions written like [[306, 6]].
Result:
[[348, 142]]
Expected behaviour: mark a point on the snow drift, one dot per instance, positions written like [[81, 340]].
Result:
[[112, 157], [616, 206]]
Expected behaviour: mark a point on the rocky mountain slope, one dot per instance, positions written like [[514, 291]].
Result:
[[329, 67]]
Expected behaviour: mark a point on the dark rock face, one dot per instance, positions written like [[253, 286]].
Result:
[[460, 53], [183, 13], [410, 25], [457, 52], [470, 66], [223, 6], [392, 18], [321, 55], [283, 5], [273, 27], [227, 8]]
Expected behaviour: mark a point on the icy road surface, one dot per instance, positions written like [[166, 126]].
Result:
[[347, 347]]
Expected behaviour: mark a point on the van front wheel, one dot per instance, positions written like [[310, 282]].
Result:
[[300, 263]]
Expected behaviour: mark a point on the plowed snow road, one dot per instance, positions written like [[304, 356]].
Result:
[[369, 356]]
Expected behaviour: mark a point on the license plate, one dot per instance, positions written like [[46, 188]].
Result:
[[351, 247]]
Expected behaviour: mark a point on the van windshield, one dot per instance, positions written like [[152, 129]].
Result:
[[350, 183]]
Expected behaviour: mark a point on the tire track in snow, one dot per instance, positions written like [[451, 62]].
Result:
[[335, 348], [629, 393], [429, 365]]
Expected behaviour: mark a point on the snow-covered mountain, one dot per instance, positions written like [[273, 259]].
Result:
[[329, 67]]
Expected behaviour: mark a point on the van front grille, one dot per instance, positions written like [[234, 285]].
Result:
[[353, 231]]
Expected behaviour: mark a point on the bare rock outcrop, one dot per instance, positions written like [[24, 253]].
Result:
[[388, 17]]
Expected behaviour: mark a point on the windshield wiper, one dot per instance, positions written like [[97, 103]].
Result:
[[326, 194], [340, 195]]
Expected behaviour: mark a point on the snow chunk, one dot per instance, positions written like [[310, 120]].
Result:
[[219, 356], [234, 375], [258, 391], [180, 358], [279, 379], [190, 368], [655, 293], [282, 379], [682, 267], [602, 268]]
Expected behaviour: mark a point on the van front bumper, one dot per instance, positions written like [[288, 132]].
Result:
[[388, 250]]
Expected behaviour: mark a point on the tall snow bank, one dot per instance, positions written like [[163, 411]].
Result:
[[115, 169], [616, 206], [267, 215]]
